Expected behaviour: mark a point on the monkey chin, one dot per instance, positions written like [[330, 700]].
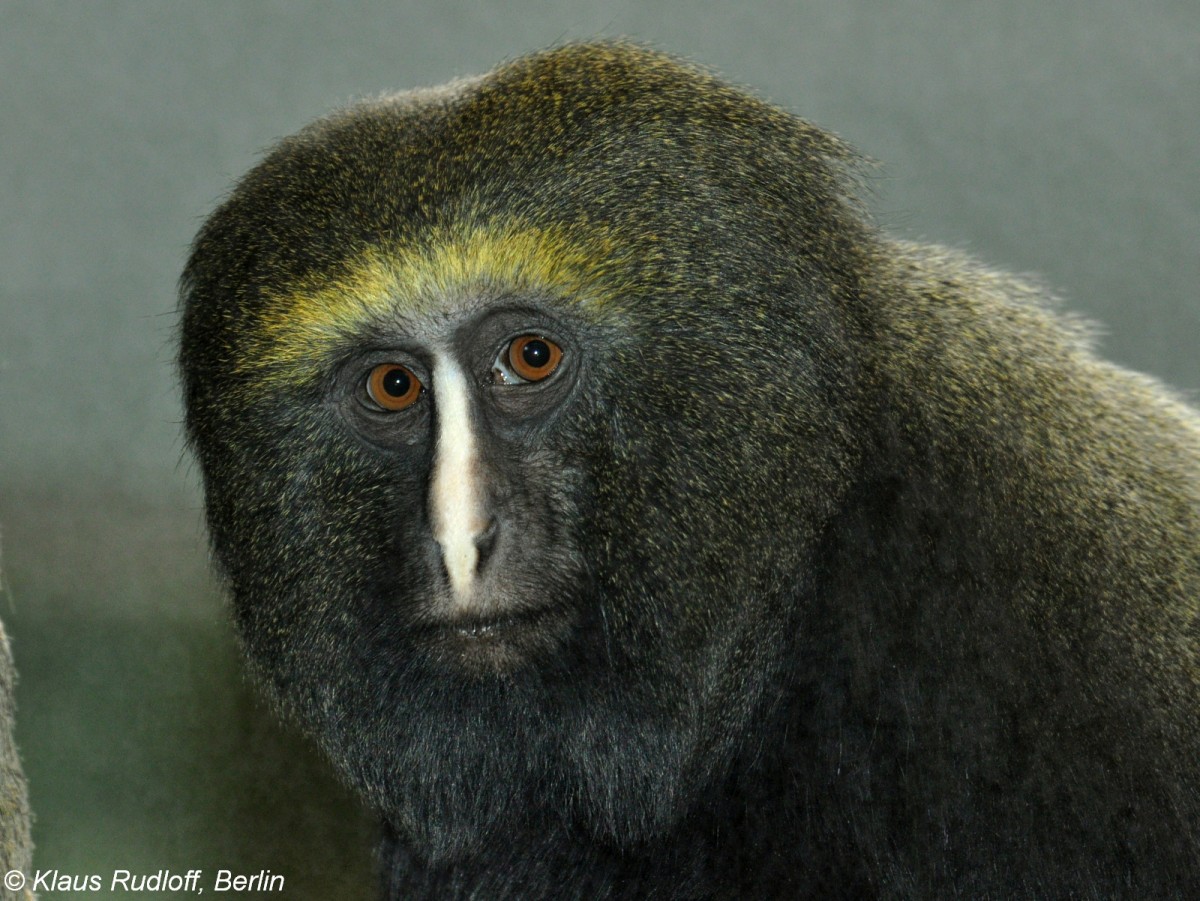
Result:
[[493, 645]]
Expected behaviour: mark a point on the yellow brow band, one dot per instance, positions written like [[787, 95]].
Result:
[[298, 328]]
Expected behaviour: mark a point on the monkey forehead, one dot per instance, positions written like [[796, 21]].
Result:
[[605, 175], [299, 327]]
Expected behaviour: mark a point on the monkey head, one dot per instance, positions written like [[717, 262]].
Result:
[[520, 406]]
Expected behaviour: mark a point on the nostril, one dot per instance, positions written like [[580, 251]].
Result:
[[485, 543]]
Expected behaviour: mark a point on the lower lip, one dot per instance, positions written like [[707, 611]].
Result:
[[504, 645], [499, 629]]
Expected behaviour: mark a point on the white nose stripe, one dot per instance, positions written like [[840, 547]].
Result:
[[456, 512]]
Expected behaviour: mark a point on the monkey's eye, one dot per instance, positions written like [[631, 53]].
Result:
[[393, 387], [528, 358]]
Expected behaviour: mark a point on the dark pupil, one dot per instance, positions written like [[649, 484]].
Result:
[[396, 383], [536, 354]]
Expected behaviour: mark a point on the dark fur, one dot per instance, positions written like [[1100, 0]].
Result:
[[881, 584]]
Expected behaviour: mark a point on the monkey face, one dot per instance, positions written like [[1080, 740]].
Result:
[[482, 559], [490, 571], [424, 546]]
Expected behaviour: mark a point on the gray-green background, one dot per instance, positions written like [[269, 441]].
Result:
[[1060, 138]]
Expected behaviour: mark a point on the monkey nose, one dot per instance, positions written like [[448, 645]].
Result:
[[465, 552], [485, 543]]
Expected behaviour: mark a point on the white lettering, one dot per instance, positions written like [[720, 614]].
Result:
[[262, 881]]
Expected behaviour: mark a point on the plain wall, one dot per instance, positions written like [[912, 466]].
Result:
[[1057, 138]]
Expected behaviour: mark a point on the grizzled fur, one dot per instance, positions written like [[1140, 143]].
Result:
[[16, 845], [880, 583]]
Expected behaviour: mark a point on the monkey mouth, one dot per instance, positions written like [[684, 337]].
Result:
[[501, 627], [502, 643]]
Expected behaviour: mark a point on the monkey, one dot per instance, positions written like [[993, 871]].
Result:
[[625, 514], [16, 844]]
